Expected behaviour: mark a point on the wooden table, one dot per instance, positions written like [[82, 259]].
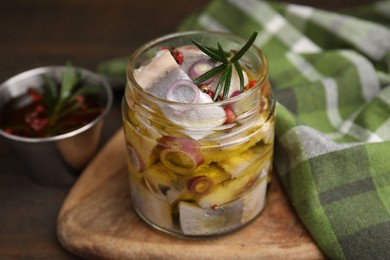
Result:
[[45, 32]]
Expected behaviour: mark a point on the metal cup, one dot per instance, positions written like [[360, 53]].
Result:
[[57, 160]]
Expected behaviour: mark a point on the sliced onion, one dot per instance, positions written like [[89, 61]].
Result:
[[199, 68], [180, 155], [200, 185], [135, 158], [178, 161], [183, 91]]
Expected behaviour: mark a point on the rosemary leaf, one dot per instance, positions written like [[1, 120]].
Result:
[[216, 50], [222, 53], [221, 81], [209, 74], [50, 93], [228, 79], [86, 90], [72, 107], [240, 75], [69, 80], [244, 48], [211, 52]]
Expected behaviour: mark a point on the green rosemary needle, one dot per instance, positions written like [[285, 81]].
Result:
[[228, 60]]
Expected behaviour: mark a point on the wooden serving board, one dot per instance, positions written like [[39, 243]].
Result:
[[97, 221]]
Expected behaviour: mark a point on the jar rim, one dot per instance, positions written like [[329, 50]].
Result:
[[150, 44]]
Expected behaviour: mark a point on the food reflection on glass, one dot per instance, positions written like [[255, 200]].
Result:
[[198, 117]]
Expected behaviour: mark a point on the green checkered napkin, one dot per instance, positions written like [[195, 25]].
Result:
[[330, 74]]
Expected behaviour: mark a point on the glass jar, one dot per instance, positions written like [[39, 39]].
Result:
[[193, 170]]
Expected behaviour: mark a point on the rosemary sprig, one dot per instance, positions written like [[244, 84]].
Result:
[[228, 60], [61, 100]]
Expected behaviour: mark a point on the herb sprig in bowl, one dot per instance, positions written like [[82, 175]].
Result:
[[59, 106]]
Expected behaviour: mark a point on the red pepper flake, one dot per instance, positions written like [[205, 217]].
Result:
[[80, 98], [213, 207], [39, 108], [177, 55], [29, 117], [35, 95], [38, 123], [163, 48], [8, 131], [210, 93]]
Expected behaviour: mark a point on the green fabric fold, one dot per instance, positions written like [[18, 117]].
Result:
[[330, 74]]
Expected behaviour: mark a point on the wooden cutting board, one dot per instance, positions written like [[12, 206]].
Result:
[[97, 221]]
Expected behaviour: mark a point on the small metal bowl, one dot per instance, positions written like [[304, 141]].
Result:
[[56, 160]]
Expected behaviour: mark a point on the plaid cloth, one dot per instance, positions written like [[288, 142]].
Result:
[[330, 74]]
